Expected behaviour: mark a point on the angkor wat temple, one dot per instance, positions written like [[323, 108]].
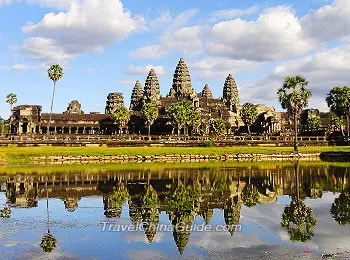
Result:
[[29, 119]]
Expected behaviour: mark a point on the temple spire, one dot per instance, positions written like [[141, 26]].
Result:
[[230, 94], [151, 93], [136, 97], [182, 86]]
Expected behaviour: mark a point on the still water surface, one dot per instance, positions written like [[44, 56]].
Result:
[[263, 211]]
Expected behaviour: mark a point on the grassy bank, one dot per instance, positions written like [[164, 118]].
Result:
[[156, 167], [13, 155]]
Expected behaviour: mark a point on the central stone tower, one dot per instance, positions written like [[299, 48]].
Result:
[[182, 86], [151, 93]]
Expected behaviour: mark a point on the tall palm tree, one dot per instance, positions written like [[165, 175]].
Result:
[[48, 241], [55, 73], [294, 96], [11, 99]]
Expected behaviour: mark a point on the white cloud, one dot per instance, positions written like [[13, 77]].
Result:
[[218, 68], [323, 70], [143, 70], [149, 52], [187, 40], [328, 23], [175, 35], [276, 34], [23, 67], [5, 2], [79, 30], [234, 13]]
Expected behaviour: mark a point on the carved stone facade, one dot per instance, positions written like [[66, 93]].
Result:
[[182, 86], [136, 97], [29, 119], [230, 94], [151, 92], [113, 100], [206, 92], [74, 107]]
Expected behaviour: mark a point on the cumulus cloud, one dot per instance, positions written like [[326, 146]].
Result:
[[234, 13], [149, 52], [81, 29], [175, 35], [143, 70], [323, 70], [218, 68], [276, 34], [23, 67], [187, 40], [328, 23]]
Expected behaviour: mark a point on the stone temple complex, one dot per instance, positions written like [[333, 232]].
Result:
[[29, 119]]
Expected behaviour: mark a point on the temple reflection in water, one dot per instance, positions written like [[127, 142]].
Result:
[[183, 194]]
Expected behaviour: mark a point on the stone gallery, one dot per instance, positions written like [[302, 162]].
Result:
[[29, 119]]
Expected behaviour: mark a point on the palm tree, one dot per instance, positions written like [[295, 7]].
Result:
[[11, 99], [294, 96], [297, 217], [48, 241], [55, 73]]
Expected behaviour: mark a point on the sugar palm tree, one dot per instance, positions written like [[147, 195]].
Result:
[[11, 99], [298, 218], [294, 96], [55, 73], [48, 241]]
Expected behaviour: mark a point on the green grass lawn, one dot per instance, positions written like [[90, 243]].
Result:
[[22, 154]]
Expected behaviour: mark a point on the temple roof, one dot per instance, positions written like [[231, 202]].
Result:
[[206, 92], [151, 92], [182, 86]]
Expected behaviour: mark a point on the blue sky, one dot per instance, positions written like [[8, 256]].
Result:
[[106, 45]]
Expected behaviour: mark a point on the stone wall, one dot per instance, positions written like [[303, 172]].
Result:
[[170, 158]]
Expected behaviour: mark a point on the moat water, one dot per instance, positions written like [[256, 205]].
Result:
[[240, 211]]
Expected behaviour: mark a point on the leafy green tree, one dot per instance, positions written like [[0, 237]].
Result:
[[336, 121], [341, 209], [183, 114], [249, 113], [48, 243], [312, 123], [294, 96], [299, 220], [250, 195], [218, 126], [5, 213], [150, 199], [55, 73], [121, 116], [149, 113], [11, 99], [183, 197], [338, 100], [113, 201]]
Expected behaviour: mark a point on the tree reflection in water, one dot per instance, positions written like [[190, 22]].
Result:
[[48, 241], [188, 194], [297, 217]]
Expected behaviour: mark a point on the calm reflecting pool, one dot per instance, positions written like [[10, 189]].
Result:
[[210, 211]]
